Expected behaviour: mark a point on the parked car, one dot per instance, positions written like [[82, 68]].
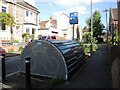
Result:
[[2, 50], [48, 37]]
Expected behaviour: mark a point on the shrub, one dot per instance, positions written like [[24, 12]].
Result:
[[20, 48], [95, 46], [54, 82], [87, 38], [16, 41], [86, 47], [11, 50]]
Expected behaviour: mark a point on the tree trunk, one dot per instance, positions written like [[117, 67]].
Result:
[[11, 31]]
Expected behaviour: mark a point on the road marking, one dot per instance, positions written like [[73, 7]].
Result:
[[37, 79], [12, 74], [4, 86], [24, 76]]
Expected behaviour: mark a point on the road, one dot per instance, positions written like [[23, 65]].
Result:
[[12, 64]]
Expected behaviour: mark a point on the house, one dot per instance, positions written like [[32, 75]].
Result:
[[113, 22], [4, 32], [48, 27], [115, 49], [113, 19], [26, 18], [60, 27], [63, 26], [66, 30], [85, 29]]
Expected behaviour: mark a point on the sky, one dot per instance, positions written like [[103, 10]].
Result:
[[54, 8]]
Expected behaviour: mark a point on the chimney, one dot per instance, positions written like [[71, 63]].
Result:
[[51, 17]]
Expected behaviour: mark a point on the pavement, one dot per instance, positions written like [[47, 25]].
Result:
[[96, 74], [12, 54]]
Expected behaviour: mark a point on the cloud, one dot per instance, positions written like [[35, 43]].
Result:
[[78, 2], [74, 1], [80, 10]]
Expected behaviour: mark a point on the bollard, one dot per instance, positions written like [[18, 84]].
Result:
[[3, 68], [28, 72]]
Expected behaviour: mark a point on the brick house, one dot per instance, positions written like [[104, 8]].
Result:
[[113, 18], [85, 29], [115, 49], [113, 22], [26, 18]]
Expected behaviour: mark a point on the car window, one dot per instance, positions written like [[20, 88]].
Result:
[[48, 37], [42, 38], [53, 37]]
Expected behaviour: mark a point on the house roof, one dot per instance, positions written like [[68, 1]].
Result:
[[114, 13], [54, 22], [85, 29], [42, 23], [63, 14], [28, 5]]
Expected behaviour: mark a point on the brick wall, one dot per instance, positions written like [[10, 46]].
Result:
[[20, 14], [14, 47], [11, 8]]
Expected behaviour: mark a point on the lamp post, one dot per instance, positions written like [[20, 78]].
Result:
[[91, 49]]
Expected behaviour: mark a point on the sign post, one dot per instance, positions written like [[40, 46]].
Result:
[[73, 19]]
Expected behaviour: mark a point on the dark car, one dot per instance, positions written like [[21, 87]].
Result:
[[48, 37], [2, 50]]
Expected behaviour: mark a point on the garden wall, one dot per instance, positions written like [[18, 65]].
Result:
[[14, 47]]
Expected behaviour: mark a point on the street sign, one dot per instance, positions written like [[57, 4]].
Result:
[[73, 18]]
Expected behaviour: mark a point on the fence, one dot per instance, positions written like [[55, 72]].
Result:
[[115, 67]]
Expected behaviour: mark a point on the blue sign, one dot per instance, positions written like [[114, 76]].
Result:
[[73, 19]]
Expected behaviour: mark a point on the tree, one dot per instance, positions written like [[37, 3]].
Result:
[[9, 20], [87, 37], [116, 37], [97, 25], [26, 36], [32, 37]]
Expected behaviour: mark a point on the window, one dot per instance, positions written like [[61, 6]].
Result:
[[53, 37], [48, 37], [27, 30], [33, 31], [3, 26], [27, 13], [3, 9], [31, 14]]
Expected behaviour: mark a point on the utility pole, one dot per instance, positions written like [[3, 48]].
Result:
[[91, 49], [106, 23]]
